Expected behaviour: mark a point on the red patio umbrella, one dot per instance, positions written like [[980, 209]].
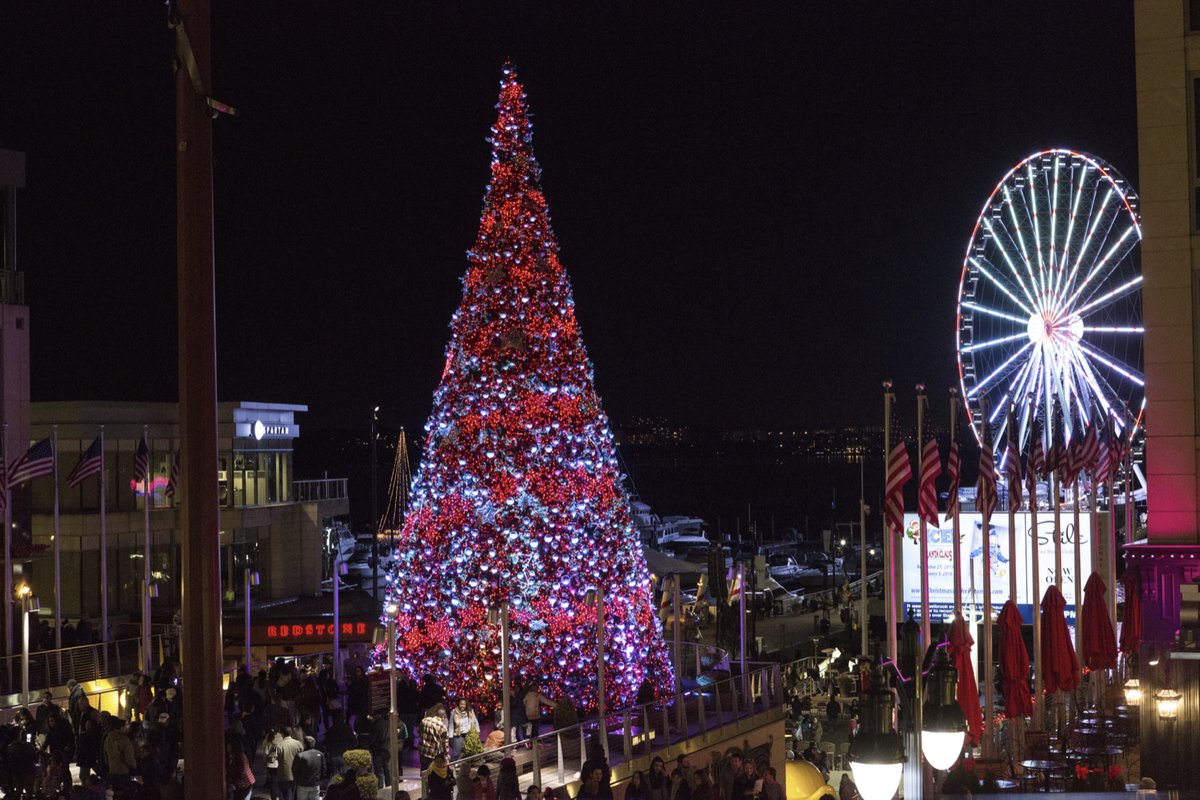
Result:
[[1014, 663], [1131, 619], [1099, 644], [1060, 668], [968, 690]]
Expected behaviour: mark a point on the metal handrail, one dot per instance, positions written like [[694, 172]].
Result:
[[85, 662], [310, 491], [700, 713]]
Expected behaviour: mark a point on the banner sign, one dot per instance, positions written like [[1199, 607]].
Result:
[[941, 562]]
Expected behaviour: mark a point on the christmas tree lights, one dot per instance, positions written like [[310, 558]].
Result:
[[518, 497]]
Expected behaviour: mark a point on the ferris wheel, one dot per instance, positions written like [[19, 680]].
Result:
[[1049, 303]]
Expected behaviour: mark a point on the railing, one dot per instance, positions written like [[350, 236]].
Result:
[[706, 715], [695, 658], [88, 662], [320, 489]]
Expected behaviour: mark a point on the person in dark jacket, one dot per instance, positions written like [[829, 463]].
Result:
[[439, 780]]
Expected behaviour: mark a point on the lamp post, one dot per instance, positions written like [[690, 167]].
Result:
[[149, 592], [943, 724], [499, 616], [877, 754], [29, 605], [596, 595], [251, 579], [393, 711], [339, 569], [374, 506]]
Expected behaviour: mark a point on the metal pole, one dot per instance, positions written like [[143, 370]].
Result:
[[600, 688], [953, 502], [1035, 544], [57, 552], [889, 545], [201, 590], [147, 496], [677, 610], [246, 625], [925, 612], [862, 557], [25, 650], [8, 587], [989, 667], [1111, 541], [742, 625], [1078, 569], [103, 550], [337, 614], [374, 507], [394, 711], [506, 688]]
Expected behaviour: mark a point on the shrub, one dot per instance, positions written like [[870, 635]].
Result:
[[358, 759], [565, 714], [368, 786], [472, 746]]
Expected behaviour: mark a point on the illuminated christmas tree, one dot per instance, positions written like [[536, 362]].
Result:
[[518, 496]]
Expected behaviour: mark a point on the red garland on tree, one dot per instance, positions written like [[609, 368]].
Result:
[[518, 496]]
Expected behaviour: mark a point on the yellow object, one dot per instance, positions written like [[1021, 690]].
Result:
[[804, 782]]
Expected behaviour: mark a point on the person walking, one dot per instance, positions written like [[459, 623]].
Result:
[[289, 748], [119, 755], [435, 735], [307, 770]]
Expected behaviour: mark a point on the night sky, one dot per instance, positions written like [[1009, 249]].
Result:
[[763, 212]]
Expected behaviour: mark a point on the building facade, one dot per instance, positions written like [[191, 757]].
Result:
[[270, 522], [1167, 51]]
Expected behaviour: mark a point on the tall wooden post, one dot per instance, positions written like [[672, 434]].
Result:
[[201, 647]]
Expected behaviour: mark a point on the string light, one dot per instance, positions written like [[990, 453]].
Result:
[[518, 496]]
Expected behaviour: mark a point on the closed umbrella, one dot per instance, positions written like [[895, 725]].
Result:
[[1060, 668], [968, 691], [1014, 664], [1131, 619], [1099, 642]]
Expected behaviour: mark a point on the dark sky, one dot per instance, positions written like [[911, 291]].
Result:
[[763, 212]]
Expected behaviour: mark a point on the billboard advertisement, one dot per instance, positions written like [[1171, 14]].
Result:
[[1003, 562]]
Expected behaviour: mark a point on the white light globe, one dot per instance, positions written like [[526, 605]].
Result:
[[877, 781], [941, 749]]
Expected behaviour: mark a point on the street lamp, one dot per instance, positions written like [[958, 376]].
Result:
[[251, 579], [29, 605], [339, 570], [943, 724], [596, 595], [394, 712], [499, 616], [1168, 703], [876, 754], [1133, 692]]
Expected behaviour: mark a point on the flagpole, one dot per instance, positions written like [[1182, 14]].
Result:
[[1078, 566], [953, 501], [57, 563], [862, 555], [742, 621], [147, 494], [889, 544], [103, 552], [1035, 545], [1056, 488], [676, 612], [925, 633], [1111, 540], [1012, 508], [989, 668]]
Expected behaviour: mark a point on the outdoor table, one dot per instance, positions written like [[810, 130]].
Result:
[[1106, 753], [1043, 766]]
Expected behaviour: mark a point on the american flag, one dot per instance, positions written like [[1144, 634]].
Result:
[[1056, 456], [1037, 453], [1091, 447], [931, 467], [173, 481], [899, 472], [3, 490], [985, 489], [1106, 461], [735, 585], [952, 470], [37, 462], [141, 462], [88, 466], [1012, 467]]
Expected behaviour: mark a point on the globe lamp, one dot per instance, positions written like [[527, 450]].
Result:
[[877, 755], [944, 726]]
